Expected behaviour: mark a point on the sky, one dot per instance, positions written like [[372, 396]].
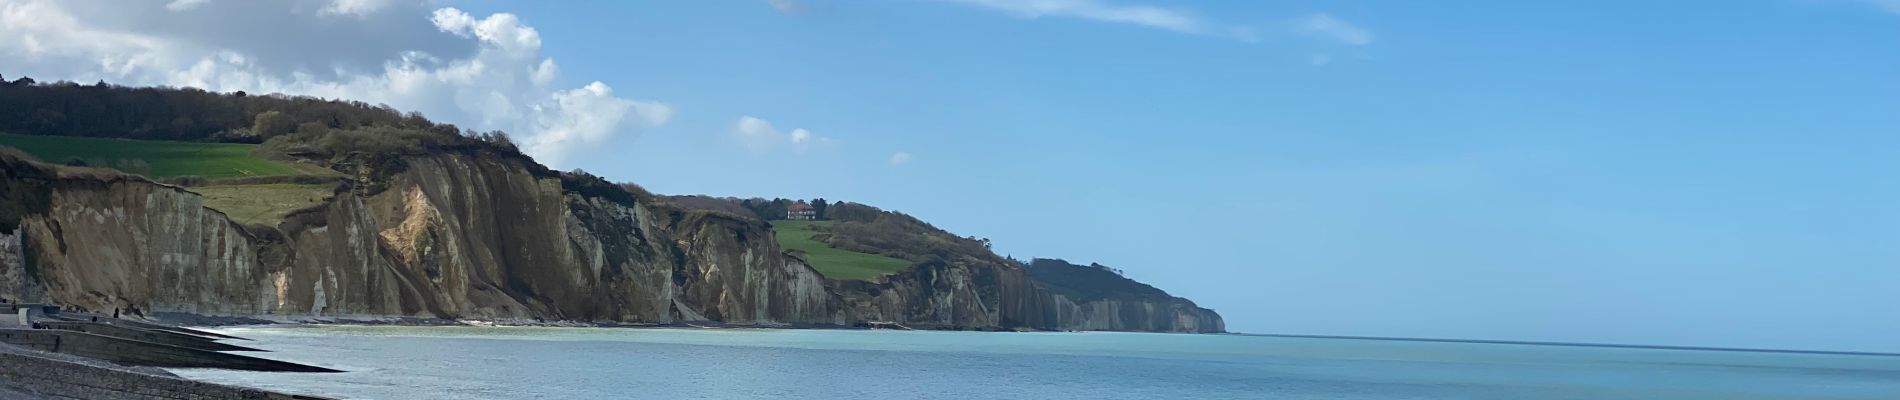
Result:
[[1709, 173]]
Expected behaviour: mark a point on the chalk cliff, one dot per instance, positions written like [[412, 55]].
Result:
[[477, 235]]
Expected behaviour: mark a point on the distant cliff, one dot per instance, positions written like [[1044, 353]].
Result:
[[1110, 299], [952, 270], [482, 235]]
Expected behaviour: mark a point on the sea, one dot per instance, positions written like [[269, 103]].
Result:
[[466, 362]]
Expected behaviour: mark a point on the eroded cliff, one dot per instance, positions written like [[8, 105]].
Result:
[[449, 236], [475, 235]]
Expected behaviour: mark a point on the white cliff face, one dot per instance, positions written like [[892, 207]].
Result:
[[13, 273], [188, 258], [475, 236], [450, 237]]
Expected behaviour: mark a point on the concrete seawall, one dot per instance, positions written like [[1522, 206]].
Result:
[[150, 336], [133, 352], [59, 379]]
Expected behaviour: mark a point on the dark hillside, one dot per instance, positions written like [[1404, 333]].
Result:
[[185, 114], [1091, 282]]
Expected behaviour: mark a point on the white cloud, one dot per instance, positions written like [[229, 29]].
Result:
[[1176, 20], [1148, 16], [482, 73], [587, 115], [503, 30], [182, 5], [358, 8], [1326, 26], [760, 136], [787, 6], [1322, 59], [900, 158], [544, 74]]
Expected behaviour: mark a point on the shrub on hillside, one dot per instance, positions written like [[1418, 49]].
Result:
[[709, 203], [589, 185], [867, 229], [187, 181]]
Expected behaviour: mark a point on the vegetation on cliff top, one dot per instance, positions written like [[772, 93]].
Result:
[[857, 241], [215, 170], [326, 131], [1090, 282], [832, 262], [868, 229], [853, 241], [181, 114], [157, 159]]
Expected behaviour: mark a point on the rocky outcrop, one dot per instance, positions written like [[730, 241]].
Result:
[[979, 295], [475, 235]]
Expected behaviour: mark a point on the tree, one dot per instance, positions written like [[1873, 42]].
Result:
[[269, 124], [310, 128], [818, 207], [497, 138], [48, 120], [774, 210]]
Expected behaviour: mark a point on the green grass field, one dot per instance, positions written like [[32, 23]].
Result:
[[831, 262], [167, 159], [262, 204]]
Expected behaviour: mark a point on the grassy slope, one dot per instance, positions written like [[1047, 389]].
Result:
[[262, 204], [251, 204], [168, 159], [832, 263]]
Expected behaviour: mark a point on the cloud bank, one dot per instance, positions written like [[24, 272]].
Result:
[[482, 72]]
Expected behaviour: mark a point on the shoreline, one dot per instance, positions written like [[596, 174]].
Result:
[[204, 321]]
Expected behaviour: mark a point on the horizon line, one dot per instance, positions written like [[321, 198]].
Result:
[[1577, 344]]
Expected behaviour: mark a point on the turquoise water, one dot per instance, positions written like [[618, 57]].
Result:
[[561, 363]]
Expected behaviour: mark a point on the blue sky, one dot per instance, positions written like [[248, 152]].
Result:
[[1718, 173], [1703, 173]]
